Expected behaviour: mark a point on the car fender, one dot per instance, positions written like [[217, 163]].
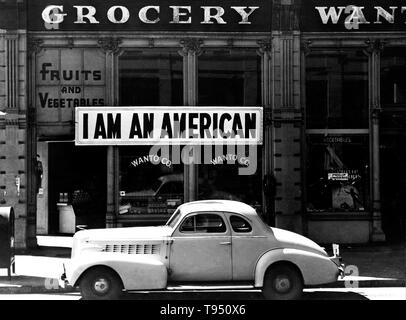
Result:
[[315, 268], [136, 272]]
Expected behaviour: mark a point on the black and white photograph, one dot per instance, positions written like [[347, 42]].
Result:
[[200, 156]]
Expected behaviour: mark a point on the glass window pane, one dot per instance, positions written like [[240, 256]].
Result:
[[188, 225], [337, 90], [233, 174], [337, 173], [240, 225], [204, 223], [150, 78], [231, 78], [148, 185], [210, 223], [393, 80]]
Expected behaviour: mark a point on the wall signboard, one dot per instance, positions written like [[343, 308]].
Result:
[[147, 15], [67, 79], [350, 16], [168, 125]]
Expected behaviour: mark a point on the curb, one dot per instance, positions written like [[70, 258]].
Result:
[[354, 283], [37, 285], [27, 289], [30, 289]]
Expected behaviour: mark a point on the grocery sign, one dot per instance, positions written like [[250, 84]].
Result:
[[168, 125], [147, 15]]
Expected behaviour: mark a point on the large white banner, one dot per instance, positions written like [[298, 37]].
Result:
[[164, 125]]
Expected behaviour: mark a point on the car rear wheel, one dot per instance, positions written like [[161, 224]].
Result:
[[282, 282], [101, 284]]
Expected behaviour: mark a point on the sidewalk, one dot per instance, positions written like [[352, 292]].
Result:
[[38, 271], [373, 266]]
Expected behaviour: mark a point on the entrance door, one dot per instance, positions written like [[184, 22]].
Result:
[[72, 169], [201, 249], [393, 186]]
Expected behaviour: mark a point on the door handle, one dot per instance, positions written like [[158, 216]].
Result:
[[227, 243]]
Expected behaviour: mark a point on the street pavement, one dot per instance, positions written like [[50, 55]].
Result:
[[396, 293]]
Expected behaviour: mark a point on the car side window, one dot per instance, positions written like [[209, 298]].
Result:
[[204, 223], [188, 225], [240, 225]]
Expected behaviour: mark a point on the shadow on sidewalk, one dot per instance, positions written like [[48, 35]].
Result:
[[206, 296]]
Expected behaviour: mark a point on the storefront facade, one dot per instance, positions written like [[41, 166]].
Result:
[[352, 57], [331, 98]]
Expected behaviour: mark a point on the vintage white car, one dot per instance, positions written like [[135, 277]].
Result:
[[212, 241]]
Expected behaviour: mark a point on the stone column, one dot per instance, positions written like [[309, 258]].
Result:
[[373, 50], [191, 49], [265, 52], [111, 48], [287, 117], [14, 142], [34, 47]]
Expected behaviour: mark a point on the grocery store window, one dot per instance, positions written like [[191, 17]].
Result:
[[337, 173], [337, 131], [337, 89], [150, 184], [150, 78], [230, 78]]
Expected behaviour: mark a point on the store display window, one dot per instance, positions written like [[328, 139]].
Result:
[[337, 131], [393, 81], [337, 173], [337, 90], [231, 78], [149, 182]]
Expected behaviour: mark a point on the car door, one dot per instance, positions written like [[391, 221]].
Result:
[[201, 249], [248, 245]]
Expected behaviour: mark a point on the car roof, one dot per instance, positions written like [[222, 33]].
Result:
[[218, 205]]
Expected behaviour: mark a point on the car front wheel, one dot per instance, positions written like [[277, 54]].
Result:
[[282, 282], [101, 284]]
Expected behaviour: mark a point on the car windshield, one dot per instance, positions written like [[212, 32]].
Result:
[[155, 185], [173, 220]]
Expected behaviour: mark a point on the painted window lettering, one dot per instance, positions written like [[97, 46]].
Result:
[[54, 14], [48, 72]]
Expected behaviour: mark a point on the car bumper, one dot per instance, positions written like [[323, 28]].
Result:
[[338, 261], [64, 278]]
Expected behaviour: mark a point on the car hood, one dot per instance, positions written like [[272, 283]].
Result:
[[288, 239], [126, 234]]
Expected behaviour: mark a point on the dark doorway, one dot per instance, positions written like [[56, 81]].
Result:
[[393, 186], [74, 168]]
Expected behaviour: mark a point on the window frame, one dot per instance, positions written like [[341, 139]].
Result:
[[242, 218], [364, 134], [194, 215]]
